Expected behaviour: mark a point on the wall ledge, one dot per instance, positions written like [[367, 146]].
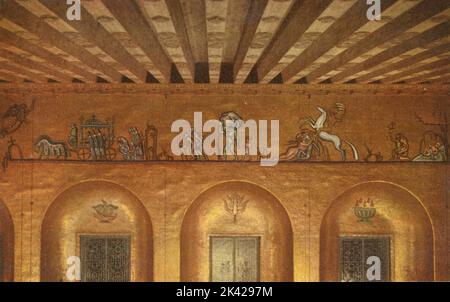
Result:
[[219, 162], [225, 89]]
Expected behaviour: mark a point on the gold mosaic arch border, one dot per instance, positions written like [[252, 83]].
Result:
[[197, 195], [141, 256], [417, 198], [190, 264], [412, 194], [70, 185]]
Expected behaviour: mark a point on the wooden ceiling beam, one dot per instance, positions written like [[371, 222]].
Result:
[[424, 77], [33, 76], [27, 63], [340, 30], [405, 63], [25, 19], [365, 60], [419, 13], [194, 16], [430, 66], [92, 31], [12, 39], [132, 19], [441, 80], [300, 17], [440, 31], [9, 77], [255, 13], [237, 13], [177, 17]]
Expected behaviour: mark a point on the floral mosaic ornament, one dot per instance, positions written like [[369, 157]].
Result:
[[105, 212]]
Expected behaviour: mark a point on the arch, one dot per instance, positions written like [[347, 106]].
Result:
[[399, 214], [71, 214], [6, 244], [264, 216]]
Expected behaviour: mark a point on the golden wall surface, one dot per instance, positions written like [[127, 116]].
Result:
[[264, 216], [169, 207], [71, 216], [400, 215]]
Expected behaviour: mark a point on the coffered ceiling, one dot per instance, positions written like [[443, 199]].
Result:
[[225, 41]]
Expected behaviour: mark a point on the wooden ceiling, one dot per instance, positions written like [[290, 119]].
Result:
[[225, 41]]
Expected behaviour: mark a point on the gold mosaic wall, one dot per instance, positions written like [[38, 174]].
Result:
[[169, 207]]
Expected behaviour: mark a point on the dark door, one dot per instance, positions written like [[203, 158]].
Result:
[[105, 258], [354, 256]]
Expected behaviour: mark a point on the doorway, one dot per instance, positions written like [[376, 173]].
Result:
[[354, 253], [105, 258], [234, 259]]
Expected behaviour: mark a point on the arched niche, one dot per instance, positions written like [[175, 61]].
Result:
[[72, 214], [399, 215], [264, 216], [6, 244]]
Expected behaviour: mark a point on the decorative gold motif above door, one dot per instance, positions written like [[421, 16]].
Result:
[[234, 259]]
